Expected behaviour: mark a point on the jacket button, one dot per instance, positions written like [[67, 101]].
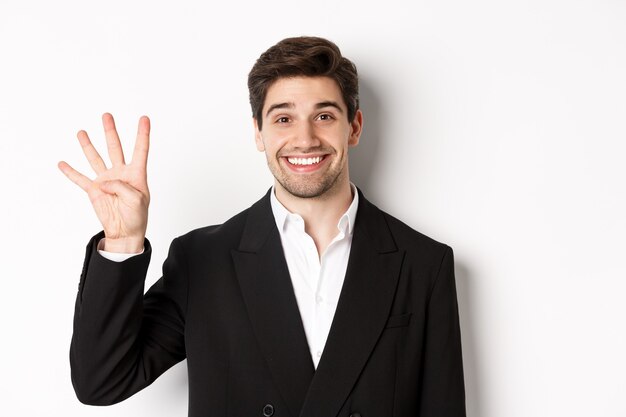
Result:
[[355, 415], [268, 410]]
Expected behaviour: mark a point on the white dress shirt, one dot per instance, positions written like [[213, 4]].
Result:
[[316, 280]]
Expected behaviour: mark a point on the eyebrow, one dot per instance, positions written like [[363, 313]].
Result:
[[329, 104], [290, 105], [286, 105]]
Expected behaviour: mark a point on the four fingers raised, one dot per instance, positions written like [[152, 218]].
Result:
[[140, 153]]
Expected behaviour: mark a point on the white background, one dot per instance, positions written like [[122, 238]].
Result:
[[497, 127]]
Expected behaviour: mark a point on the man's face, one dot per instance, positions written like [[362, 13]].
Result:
[[306, 135]]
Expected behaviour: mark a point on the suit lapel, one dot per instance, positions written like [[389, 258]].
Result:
[[363, 309], [268, 294]]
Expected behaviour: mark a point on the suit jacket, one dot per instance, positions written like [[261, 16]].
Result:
[[225, 303]]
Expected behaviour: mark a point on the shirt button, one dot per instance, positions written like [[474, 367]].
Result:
[[319, 353], [319, 299], [268, 410]]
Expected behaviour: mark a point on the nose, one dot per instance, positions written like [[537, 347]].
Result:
[[306, 135]]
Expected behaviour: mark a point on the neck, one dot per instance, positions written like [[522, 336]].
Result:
[[320, 214]]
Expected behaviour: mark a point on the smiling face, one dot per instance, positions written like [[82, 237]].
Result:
[[306, 135]]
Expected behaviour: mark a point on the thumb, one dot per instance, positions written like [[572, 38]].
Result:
[[121, 189]]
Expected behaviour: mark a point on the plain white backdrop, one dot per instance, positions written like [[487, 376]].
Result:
[[498, 127]]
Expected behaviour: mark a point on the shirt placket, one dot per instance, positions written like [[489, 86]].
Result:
[[323, 316], [314, 275]]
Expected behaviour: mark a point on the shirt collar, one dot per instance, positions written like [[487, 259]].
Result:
[[345, 224]]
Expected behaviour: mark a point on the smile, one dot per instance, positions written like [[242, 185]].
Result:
[[305, 161]]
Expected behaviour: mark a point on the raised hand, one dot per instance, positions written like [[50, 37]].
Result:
[[119, 194]]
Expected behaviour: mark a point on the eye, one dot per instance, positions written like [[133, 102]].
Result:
[[325, 116], [282, 119]]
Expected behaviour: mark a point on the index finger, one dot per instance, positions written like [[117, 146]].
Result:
[[142, 143]]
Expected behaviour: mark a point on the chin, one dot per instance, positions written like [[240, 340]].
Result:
[[324, 188]]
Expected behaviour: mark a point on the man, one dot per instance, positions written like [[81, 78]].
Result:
[[312, 302]]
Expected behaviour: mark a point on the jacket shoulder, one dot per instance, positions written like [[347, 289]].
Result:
[[225, 235], [423, 253], [418, 246], [232, 233], [407, 236]]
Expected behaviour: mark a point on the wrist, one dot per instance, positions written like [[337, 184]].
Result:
[[123, 245]]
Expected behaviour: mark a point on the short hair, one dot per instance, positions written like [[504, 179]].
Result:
[[302, 56]]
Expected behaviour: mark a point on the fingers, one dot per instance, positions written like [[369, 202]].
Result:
[[94, 158], [75, 176], [142, 143], [113, 140]]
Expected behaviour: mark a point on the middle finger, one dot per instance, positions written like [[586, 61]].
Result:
[[113, 140]]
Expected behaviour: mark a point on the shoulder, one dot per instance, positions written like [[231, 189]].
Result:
[[225, 232], [416, 244], [227, 235], [406, 236]]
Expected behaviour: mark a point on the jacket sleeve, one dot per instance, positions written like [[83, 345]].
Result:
[[123, 340], [442, 386]]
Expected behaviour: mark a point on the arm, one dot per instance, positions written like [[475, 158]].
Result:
[[442, 386], [122, 340]]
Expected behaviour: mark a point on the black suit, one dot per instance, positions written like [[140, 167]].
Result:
[[225, 302]]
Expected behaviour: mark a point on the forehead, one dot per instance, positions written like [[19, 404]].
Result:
[[303, 92]]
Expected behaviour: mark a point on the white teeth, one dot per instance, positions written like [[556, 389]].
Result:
[[305, 161]]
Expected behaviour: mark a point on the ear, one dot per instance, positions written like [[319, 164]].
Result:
[[258, 138], [356, 127]]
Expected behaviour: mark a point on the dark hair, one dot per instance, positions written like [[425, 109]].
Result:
[[302, 56]]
